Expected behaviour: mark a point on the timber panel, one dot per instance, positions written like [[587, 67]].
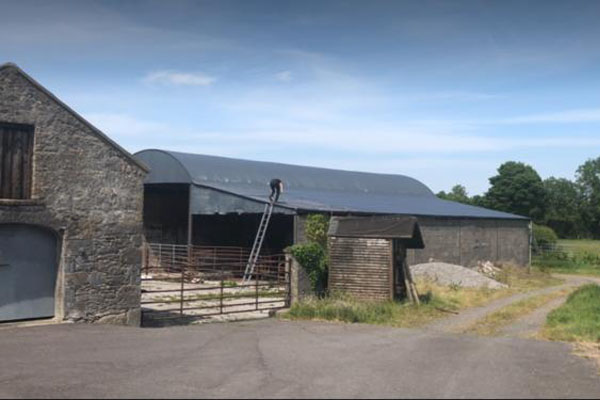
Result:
[[16, 150], [361, 267]]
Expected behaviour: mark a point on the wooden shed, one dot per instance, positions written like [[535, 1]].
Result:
[[368, 255]]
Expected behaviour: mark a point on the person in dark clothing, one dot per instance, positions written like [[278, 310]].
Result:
[[276, 189]]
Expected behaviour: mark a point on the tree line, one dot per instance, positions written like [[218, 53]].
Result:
[[570, 207]]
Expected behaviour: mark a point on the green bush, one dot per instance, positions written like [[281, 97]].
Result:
[[316, 229], [313, 258], [313, 255], [543, 237]]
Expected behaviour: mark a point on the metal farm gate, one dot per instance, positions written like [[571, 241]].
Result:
[[200, 282]]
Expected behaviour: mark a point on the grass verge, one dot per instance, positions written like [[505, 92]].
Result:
[[578, 319], [493, 323], [437, 301]]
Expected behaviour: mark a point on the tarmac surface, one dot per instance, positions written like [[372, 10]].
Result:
[[271, 358]]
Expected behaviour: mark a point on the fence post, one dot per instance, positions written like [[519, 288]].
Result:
[[221, 297], [182, 292], [288, 280], [256, 278]]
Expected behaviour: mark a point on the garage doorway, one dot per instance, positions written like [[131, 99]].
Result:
[[28, 271]]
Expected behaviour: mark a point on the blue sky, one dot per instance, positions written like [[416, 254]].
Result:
[[441, 91]]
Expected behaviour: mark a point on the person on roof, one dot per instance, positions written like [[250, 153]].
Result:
[[276, 189]]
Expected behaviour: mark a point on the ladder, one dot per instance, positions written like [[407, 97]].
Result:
[[258, 241]]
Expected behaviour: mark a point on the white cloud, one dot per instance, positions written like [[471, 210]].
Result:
[[284, 76], [175, 78]]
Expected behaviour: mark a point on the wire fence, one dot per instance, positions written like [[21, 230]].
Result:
[[565, 255]]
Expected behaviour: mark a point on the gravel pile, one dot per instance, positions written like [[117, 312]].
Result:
[[450, 274]]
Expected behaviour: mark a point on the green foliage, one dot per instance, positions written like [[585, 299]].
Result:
[[313, 255], [517, 189], [543, 237], [578, 318], [458, 193], [563, 213], [316, 229], [568, 259], [313, 258], [588, 179]]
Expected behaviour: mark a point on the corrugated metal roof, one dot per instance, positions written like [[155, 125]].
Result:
[[308, 188]]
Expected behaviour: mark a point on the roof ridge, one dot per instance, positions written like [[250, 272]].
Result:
[[74, 113]]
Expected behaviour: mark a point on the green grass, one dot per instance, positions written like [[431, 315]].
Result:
[[344, 308], [582, 245], [579, 257], [578, 319]]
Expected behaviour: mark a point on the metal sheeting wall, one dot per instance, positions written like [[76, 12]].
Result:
[[467, 241], [209, 201]]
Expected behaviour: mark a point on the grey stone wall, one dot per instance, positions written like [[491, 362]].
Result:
[[467, 241], [300, 286], [91, 194]]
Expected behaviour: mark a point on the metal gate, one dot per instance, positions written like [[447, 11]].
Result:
[[200, 282], [28, 270]]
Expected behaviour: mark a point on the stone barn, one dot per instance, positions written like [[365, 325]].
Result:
[[217, 201], [71, 204], [367, 255]]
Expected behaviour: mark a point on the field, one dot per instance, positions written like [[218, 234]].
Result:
[[570, 257]]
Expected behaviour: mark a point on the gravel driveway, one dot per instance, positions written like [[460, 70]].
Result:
[[270, 358]]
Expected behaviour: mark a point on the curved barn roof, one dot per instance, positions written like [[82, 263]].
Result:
[[307, 188]]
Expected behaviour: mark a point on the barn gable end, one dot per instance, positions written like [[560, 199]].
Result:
[[89, 192]]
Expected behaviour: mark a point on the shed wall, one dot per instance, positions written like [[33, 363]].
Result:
[[361, 267], [467, 241], [91, 195]]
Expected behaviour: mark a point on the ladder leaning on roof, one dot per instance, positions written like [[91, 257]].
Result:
[[258, 241]]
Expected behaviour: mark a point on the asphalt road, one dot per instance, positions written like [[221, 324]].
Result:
[[270, 358]]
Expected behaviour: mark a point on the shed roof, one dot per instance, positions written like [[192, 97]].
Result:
[[308, 188], [387, 227]]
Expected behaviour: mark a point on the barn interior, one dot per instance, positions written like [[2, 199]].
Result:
[[167, 218]]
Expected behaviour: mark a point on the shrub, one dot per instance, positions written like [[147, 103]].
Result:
[[313, 258], [543, 237], [316, 229], [313, 255]]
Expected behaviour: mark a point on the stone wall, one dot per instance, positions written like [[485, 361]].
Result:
[[90, 192], [467, 241]]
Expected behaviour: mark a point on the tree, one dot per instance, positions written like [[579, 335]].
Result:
[[517, 189], [563, 211], [588, 179], [458, 193]]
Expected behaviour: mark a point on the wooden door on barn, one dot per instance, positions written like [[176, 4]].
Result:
[[28, 271]]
